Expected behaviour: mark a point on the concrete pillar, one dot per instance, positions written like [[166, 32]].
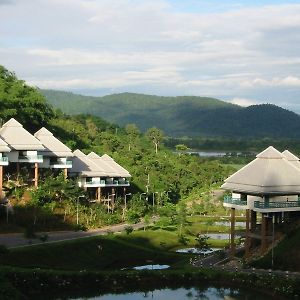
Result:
[[66, 173], [99, 194], [113, 194], [248, 239], [36, 174], [1, 181], [232, 232], [253, 221], [263, 233]]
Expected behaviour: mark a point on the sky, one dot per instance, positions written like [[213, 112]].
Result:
[[245, 52]]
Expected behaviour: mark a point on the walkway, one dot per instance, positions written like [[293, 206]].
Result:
[[14, 240]]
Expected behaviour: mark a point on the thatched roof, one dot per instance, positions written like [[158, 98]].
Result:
[[270, 173], [54, 147]]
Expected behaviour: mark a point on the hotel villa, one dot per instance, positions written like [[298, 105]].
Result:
[[100, 176]]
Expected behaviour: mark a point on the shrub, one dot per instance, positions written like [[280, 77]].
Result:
[[128, 229]]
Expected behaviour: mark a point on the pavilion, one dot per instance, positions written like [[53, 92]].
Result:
[[269, 185]]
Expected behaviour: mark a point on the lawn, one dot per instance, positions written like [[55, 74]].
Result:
[[110, 252]]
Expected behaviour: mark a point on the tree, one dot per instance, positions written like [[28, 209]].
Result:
[[132, 132], [181, 216], [23, 102], [156, 136], [181, 147]]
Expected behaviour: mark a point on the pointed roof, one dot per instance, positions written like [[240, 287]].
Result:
[[54, 147], [119, 169], [270, 173], [18, 138], [4, 147], [112, 172], [85, 166], [293, 159]]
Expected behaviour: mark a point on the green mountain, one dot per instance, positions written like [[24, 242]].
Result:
[[184, 115]]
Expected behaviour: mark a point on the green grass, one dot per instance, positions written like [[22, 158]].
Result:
[[117, 251]]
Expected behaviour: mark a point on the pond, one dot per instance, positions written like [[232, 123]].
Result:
[[151, 267], [198, 251], [205, 293], [220, 236], [226, 223]]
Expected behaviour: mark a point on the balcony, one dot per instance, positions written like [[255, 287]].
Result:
[[234, 201], [270, 205], [3, 161], [115, 182], [61, 164], [31, 158]]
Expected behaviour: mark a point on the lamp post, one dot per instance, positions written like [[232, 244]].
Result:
[[273, 234], [153, 200], [142, 194], [273, 238], [125, 200]]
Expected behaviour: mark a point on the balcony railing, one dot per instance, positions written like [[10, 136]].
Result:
[[235, 201], [273, 204], [61, 163], [31, 158]]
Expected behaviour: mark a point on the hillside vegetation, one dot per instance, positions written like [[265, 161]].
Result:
[[184, 115], [154, 168]]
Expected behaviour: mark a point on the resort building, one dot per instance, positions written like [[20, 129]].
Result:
[[57, 155], [24, 147], [269, 186], [90, 175], [117, 177], [101, 177], [4, 149]]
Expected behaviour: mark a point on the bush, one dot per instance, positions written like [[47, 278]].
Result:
[[128, 229]]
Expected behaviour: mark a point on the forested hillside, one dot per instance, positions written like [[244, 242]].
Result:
[[128, 146], [184, 116]]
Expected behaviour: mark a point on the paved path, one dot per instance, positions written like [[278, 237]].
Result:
[[13, 240]]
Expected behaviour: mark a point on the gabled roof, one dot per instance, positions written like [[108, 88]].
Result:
[[270, 173], [293, 159], [4, 147], [84, 166], [18, 138], [120, 170], [54, 147], [111, 172]]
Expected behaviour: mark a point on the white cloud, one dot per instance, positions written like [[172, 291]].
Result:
[[243, 102], [239, 53]]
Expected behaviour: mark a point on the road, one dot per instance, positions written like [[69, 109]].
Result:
[[13, 240]]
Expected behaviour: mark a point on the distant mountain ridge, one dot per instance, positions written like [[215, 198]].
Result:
[[183, 115]]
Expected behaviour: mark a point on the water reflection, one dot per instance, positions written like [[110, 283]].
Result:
[[199, 293], [197, 251]]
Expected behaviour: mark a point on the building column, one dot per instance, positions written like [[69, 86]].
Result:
[[253, 221], [99, 194], [232, 232], [1, 181], [248, 239], [66, 173], [263, 233], [36, 174], [113, 194]]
